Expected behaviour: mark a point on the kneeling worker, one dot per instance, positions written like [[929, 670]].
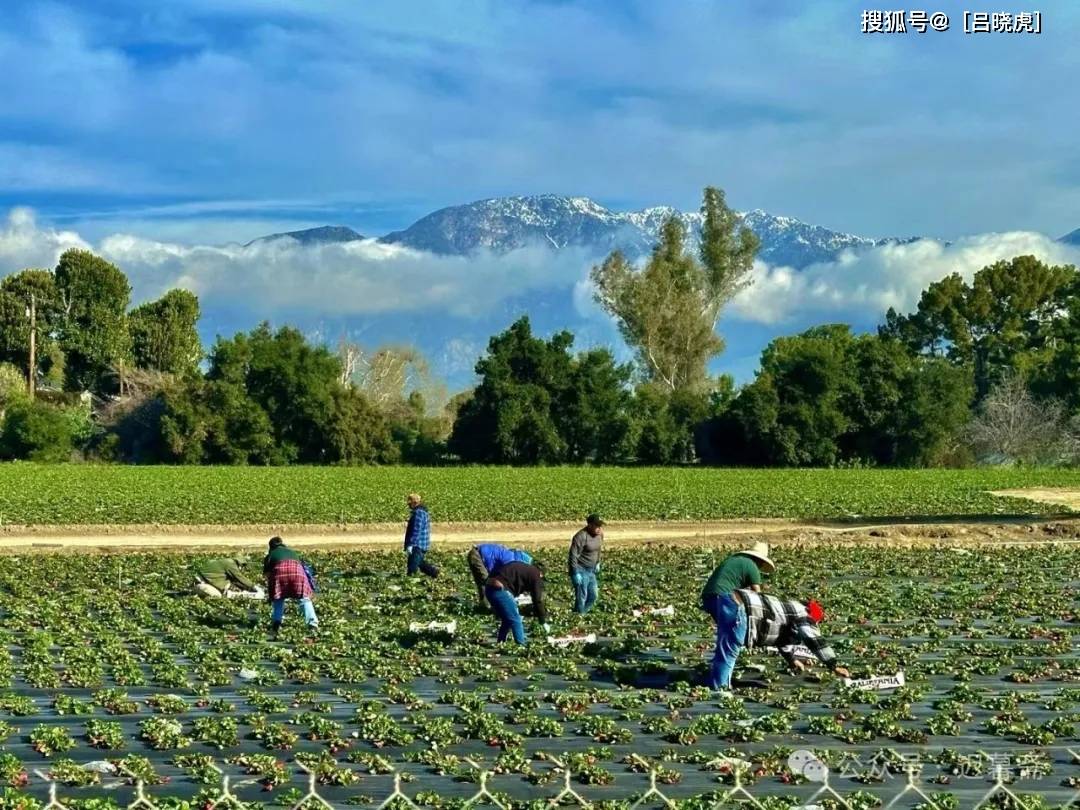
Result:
[[502, 590], [223, 578], [785, 624], [486, 559]]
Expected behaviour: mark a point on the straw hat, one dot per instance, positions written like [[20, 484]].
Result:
[[759, 552]]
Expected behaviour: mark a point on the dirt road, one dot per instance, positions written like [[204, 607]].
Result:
[[777, 533], [15, 539]]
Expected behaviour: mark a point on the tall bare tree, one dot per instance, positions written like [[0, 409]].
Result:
[[389, 375]]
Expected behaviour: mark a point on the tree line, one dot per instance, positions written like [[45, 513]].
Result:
[[985, 370]]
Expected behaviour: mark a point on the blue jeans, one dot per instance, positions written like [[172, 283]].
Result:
[[731, 629], [505, 607], [416, 563], [585, 589], [277, 611]]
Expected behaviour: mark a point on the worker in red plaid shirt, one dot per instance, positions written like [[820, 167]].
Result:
[[287, 578]]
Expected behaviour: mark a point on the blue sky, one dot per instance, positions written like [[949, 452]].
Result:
[[156, 132], [205, 120]]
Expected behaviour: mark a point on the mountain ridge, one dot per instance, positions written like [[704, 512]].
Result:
[[321, 235], [502, 224]]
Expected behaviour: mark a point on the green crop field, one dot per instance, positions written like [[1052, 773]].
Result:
[[143, 681], [85, 494]]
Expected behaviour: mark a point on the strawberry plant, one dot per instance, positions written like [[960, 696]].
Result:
[[48, 740], [104, 734]]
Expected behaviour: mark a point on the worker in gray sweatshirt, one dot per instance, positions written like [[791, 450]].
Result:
[[585, 563]]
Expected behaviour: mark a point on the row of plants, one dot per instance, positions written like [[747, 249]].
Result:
[[349, 495], [110, 659]]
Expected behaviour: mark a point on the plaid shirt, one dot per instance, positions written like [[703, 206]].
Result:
[[418, 532], [288, 580], [775, 623]]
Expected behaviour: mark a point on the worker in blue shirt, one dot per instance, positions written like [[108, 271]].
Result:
[[485, 559], [418, 537]]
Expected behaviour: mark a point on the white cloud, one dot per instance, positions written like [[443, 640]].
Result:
[[352, 278], [867, 284], [24, 244], [370, 278]]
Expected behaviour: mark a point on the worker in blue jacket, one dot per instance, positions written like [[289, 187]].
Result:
[[486, 559]]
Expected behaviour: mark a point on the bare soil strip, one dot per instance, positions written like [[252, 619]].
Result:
[[105, 538], [1057, 497], [639, 535]]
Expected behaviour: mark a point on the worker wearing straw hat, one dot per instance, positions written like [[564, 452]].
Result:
[[720, 600]]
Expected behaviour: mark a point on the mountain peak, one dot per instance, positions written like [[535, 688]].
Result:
[[323, 235], [502, 224]]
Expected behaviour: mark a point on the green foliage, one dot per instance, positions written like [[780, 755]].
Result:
[[668, 310], [271, 398], [164, 334], [16, 292], [1005, 320], [40, 432], [826, 396], [12, 385], [538, 404], [93, 330]]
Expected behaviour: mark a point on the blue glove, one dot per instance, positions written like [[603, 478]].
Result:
[[577, 578]]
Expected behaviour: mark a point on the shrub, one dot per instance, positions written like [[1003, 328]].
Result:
[[38, 432]]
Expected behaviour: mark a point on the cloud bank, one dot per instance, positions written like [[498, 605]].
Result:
[[864, 285], [366, 278], [352, 278]]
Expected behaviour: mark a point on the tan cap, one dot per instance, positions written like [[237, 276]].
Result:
[[759, 552]]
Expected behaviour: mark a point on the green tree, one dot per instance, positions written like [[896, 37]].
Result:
[[828, 396], [358, 433], [1003, 322], [509, 419], [271, 398], [215, 422], [932, 414], [539, 404], [593, 413], [16, 293], [164, 333], [93, 298], [668, 310], [665, 422]]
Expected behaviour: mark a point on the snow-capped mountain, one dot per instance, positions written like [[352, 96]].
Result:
[[507, 223]]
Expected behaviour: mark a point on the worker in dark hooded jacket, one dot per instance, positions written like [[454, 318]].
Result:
[[502, 590], [486, 559]]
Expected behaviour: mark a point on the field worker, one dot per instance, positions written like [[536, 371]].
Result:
[[223, 578], [286, 578], [418, 537], [502, 590], [740, 571], [585, 563], [772, 622], [485, 559]]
